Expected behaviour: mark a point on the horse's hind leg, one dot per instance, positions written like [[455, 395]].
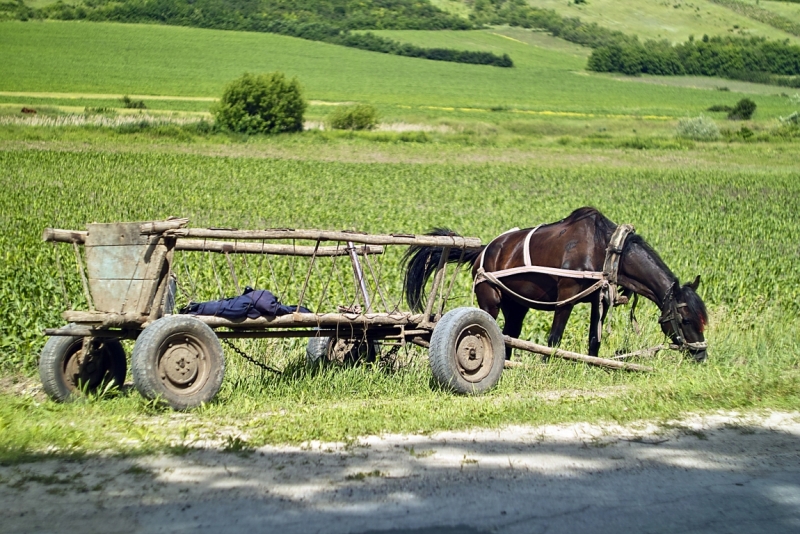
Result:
[[560, 318], [488, 298], [513, 314]]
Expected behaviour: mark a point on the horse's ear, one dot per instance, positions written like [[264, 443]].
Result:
[[694, 285]]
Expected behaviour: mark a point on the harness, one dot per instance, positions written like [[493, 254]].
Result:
[[672, 315], [606, 283], [606, 279]]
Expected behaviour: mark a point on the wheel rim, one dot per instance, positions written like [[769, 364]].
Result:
[[474, 355], [183, 364], [93, 372]]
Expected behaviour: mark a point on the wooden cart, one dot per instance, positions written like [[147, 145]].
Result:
[[127, 273]]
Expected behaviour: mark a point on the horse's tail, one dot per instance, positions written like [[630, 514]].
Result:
[[421, 262]]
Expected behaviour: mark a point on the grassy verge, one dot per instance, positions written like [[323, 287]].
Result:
[[724, 210], [750, 369]]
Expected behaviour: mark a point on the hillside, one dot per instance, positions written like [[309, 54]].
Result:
[[103, 58]]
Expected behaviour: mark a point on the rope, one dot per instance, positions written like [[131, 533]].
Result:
[[493, 279]]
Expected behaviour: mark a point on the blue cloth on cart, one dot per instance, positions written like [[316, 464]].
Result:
[[253, 303]]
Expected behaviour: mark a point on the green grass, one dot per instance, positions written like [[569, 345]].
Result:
[[518, 147], [672, 20], [65, 57]]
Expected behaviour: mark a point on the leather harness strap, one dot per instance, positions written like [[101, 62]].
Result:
[[606, 280]]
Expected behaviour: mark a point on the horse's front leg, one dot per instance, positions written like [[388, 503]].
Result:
[[513, 313], [595, 327]]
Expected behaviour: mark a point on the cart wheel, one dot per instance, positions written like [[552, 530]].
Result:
[[326, 349], [65, 376], [467, 352], [178, 359]]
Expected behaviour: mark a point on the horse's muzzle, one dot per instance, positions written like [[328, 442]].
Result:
[[699, 355]]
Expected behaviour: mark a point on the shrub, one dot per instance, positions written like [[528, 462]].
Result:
[[132, 104], [267, 103], [743, 110], [699, 128], [361, 117], [720, 107]]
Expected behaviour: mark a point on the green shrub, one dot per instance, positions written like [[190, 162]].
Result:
[[132, 104], [720, 107], [699, 128], [743, 110], [267, 103], [360, 117]]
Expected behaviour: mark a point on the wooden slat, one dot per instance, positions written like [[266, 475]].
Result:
[[325, 235], [314, 319]]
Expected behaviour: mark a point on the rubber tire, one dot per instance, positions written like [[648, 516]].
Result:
[[153, 343], [319, 348], [55, 355], [442, 352]]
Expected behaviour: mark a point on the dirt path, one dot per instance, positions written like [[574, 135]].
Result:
[[714, 474]]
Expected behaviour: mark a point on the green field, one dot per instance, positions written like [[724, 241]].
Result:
[[486, 149], [66, 57], [731, 225], [674, 21]]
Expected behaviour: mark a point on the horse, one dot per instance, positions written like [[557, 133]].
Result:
[[555, 266]]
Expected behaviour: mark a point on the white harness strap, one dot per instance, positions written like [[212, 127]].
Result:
[[606, 279]]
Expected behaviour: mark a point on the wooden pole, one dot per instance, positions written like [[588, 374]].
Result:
[[326, 235], [204, 245], [592, 360]]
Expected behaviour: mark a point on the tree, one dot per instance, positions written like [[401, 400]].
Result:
[[267, 103]]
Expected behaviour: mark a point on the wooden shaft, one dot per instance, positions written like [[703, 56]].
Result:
[[593, 360], [325, 235]]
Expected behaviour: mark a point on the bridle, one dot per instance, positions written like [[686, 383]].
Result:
[[671, 315]]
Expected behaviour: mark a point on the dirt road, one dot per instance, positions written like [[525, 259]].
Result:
[[723, 473]]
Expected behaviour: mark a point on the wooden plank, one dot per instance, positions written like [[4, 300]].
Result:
[[470, 243], [567, 355], [325, 235], [315, 319], [103, 319], [203, 245]]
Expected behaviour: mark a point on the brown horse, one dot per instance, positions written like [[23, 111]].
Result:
[[578, 244]]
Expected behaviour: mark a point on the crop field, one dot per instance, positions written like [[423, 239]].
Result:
[[474, 148], [733, 228]]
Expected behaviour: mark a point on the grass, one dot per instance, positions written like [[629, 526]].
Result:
[[63, 57], [663, 19], [508, 147]]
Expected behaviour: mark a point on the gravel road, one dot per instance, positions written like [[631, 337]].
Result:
[[720, 473]]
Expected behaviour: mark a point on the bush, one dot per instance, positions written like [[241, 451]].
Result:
[[132, 104], [743, 110], [267, 103], [699, 128], [361, 117]]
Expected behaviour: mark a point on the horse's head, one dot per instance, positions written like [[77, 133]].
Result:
[[684, 317]]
